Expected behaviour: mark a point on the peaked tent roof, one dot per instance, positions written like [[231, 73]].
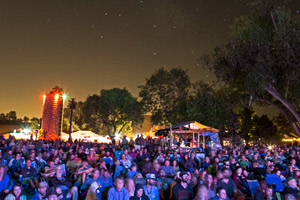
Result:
[[195, 126]]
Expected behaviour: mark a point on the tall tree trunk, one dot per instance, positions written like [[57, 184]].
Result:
[[285, 114], [271, 90]]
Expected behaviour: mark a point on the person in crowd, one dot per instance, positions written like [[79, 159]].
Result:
[[42, 190], [202, 193], [91, 158], [221, 194], [292, 188], [125, 161], [132, 172], [29, 175], [150, 189], [4, 181], [175, 165], [182, 190], [93, 185], [15, 165], [64, 183], [211, 187], [16, 193], [240, 180], [170, 171], [129, 185], [227, 183], [52, 194], [118, 192], [139, 193]]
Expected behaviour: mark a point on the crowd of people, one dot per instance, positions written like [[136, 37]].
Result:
[[146, 169]]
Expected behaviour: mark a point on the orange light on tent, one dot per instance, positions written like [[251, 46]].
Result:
[[56, 96]]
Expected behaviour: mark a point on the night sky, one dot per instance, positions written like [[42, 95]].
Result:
[[88, 45]]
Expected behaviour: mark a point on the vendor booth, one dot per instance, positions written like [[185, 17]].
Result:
[[193, 130]]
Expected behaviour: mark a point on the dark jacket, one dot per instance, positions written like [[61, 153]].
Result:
[[65, 181], [143, 197]]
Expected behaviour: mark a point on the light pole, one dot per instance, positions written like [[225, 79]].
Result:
[[72, 106]]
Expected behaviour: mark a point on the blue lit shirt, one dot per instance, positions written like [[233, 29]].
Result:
[[153, 194]]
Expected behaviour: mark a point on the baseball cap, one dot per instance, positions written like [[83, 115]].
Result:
[[150, 176]]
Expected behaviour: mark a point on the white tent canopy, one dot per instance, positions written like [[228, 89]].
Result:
[[88, 136]]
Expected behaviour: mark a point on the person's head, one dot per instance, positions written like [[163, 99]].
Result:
[[243, 158], [95, 173], [167, 163], [174, 162], [123, 157], [17, 190], [18, 156], [42, 188], [139, 190], [207, 160], [226, 173], [269, 191], [162, 173], [150, 179], [32, 155], [119, 182], [106, 174], [28, 163], [125, 151], [2, 170], [221, 193], [292, 182], [209, 179], [184, 177], [102, 163], [129, 184], [239, 171], [91, 152], [202, 192], [72, 156], [59, 171], [52, 193], [293, 162], [202, 174], [133, 167]]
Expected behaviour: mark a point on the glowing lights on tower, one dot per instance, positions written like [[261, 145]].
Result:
[[44, 98], [56, 97]]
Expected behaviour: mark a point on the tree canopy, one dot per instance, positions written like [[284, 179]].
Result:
[[261, 59], [115, 109]]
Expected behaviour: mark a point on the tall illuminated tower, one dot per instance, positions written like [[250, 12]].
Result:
[[52, 113]]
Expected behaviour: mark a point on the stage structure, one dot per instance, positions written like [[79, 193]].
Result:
[[193, 130]]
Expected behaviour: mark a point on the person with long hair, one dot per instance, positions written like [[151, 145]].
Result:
[[16, 193], [175, 165], [4, 180], [201, 176], [125, 161], [129, 185], [202, 193], [211, 187], [239, 179]]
